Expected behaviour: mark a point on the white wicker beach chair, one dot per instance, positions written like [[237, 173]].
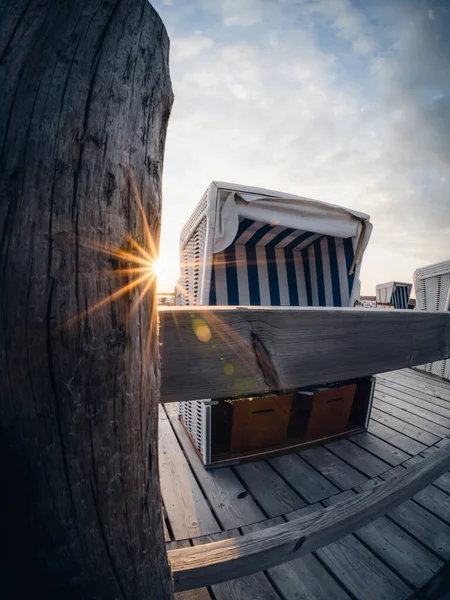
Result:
[[394, 293], [432, 286], [251, 246]]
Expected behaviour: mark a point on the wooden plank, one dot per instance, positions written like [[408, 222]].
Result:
[[303, 577], [214, 563], [394, 438], [247, 350], [387, 452], [427, 385], [249, 587], [311, 485], [437, 405], [358, 458], [199, 594], [429, 378], [406, 557], [271, 492], [411, 406], [333, 468], [361, 572], [301, 512], [187, 509], [233, 505], [423, 526], [367, 485], [419, 522], [436, 501], [400, 413], [443, 483], [438, 588], [404, 427]]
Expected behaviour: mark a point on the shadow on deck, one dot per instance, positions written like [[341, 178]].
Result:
[[388, 559]]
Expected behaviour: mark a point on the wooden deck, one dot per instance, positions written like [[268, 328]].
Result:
[[387, 559]]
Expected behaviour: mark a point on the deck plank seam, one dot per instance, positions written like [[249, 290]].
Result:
[[400, 431], [255, 500], [377, 400], [412, 383], [392, 401], [372, 452], [211, 507], [328, 570], [379, 557], [336, 485], [377, 456], [289, 484], [429, 433], [391, 391], [412, 387]]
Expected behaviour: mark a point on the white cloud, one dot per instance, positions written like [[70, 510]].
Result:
[[347, 21], [187, 46], [241, 13], [269, 110]]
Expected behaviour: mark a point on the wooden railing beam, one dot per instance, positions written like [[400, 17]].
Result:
[[216, 562], [221, 352]]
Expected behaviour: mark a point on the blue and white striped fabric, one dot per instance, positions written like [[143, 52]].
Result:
[[400, 296], [271, 265]]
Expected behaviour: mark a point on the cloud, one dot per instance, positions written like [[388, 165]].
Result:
[[241, 13], [348, 22], [188, 46], [363, 122]]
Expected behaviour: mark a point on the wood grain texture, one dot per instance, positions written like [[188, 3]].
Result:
[[413, 407], [428, 384], [361, 572], [395, 438], [405, 415], [251, 587], [436, 501], [233, 505], [416, 433], [365, 462], [196, 567], [274, 495], [201, 593], [309, 483], [261, 350], [333, 468], [304, 577], [398, 380], [423, 526], [431, 403], [404, 555], [187, 509], [384, 450], [85, 100]]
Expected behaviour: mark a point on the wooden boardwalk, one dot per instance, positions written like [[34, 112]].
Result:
[[386, 560]]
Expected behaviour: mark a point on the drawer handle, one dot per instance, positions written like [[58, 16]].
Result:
[[334, 400], [263, 410]]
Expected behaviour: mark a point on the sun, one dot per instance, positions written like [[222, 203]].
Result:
[[156, 267]]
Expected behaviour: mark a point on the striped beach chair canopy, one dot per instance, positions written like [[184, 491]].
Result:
[[251, 246], [394, 292]]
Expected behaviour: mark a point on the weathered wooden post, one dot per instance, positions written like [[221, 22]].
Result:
[[85, 98]]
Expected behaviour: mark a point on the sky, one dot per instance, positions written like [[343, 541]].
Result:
[[345, 101]]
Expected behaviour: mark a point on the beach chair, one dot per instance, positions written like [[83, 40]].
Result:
[[395, 293], [251, 246]]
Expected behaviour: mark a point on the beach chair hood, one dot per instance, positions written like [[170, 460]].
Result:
[[296, 212]]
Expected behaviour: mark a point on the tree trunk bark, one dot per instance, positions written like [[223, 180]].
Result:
[[85, 100]]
